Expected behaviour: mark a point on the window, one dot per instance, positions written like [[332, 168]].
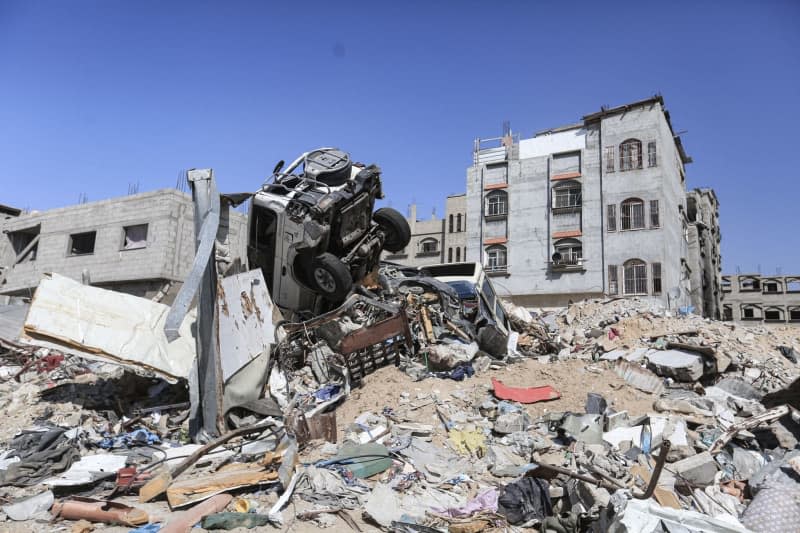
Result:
[[450, 253], [794, 314], [651, 154], [726, 284], [429, 246], [773, 314], [771, 287], [632, 214], [496, 259], [568, 252], [134, 237], [450, 227], [25, 243], [496, 204], [82, 243], [635, 277], [751, 312], [630, 154], [465, 253], [613, 285], [654, 219], [609, 159], [656, 268], [458, 255], [727, 312], [611, 217], [749, 284], [458, 222], [793, 285], [567, 196]]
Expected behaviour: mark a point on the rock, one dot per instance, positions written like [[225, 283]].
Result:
[[698, 469], [511, 422], [676, 364]]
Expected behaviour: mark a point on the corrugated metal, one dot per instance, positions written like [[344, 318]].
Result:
[[245, 320], [491, 155]]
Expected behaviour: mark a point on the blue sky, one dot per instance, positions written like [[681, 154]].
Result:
[[95, 96]]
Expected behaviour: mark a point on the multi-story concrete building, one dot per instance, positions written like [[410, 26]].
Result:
[[142, 244], [436, 240], [585, 210], [753, 297], [702, 212]]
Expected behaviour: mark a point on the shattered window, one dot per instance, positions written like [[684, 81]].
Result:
[[25, 243], [82, 243], [656, 267], [635, 277], [134, 237]]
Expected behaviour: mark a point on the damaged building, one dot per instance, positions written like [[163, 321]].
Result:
[[142, 244], [590, 209], [757, 298]]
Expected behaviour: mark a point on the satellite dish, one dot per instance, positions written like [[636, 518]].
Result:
[[557, 257]]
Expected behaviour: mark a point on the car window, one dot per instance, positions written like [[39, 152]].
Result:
[[501, 315], [489, 292], [465, 289]]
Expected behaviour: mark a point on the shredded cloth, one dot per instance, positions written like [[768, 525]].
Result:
[[525, 500], [775, 509]]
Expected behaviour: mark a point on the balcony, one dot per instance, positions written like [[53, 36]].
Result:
[[568, 262]]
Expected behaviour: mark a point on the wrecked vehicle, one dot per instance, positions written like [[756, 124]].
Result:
[[479, 302], [313, 234]]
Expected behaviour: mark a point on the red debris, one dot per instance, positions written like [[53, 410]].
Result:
[[524, 394]]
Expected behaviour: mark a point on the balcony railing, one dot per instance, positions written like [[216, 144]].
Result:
[[567, 261], [495, 268]]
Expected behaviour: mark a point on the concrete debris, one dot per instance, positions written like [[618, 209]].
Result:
[[407, 404]]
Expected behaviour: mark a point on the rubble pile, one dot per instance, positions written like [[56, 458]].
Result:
[[398, 411]]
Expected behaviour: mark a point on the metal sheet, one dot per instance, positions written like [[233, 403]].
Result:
[[99, 323], [245, 320]]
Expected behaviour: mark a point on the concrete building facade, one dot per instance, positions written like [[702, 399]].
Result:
[[702, 212], [435, 240], [585, 210], [757, 298], [140, 244]]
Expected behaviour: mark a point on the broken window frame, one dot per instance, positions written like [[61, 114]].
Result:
[[727, 312], [571, 251], [139, 245], [792, 285], [630, 155], [655, 269], [655, 221], [20, 239], [71, 245], [632, 214], [634, 277], [613, 279], [497, 204], [652, 159], [611, 217]]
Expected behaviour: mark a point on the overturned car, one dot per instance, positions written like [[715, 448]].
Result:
[[313, 232]]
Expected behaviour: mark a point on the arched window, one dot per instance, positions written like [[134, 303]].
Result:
[[751, 312], [632, 214], [458, 222], [773, 314], [567, 195], [630, 154], [429, 246], [635, 277], [496, 258], [450, 254], [451, 224], [458, 255], [496, 203], [570, 252]]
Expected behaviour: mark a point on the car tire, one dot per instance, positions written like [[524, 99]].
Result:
[[395, 225], [330, 277]]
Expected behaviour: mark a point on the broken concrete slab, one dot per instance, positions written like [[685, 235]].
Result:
[[676, 364], [699, 470]]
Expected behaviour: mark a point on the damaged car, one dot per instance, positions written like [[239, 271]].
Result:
[[313, 232]]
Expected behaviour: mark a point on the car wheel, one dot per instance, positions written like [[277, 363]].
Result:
[[395, 225], [330, 277]]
